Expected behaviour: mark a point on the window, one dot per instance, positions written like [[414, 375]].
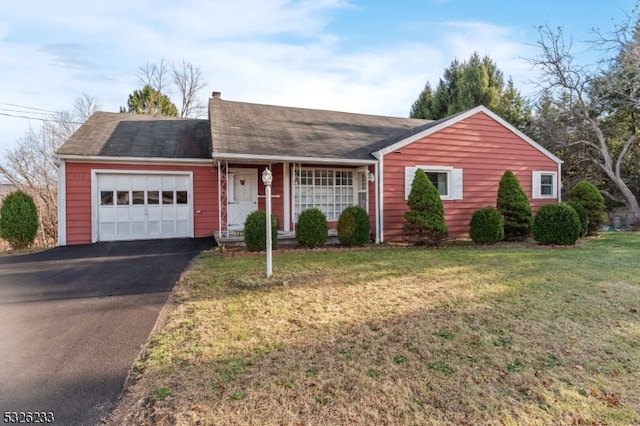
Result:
[[447, 180], [440, 181], [544, 184], [106, 198], [331, 191]]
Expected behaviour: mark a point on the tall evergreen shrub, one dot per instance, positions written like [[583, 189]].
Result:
[[18, 220], [515, 208], [424, 222], [588, 195]]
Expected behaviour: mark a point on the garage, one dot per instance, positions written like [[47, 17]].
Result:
[[141, 205]]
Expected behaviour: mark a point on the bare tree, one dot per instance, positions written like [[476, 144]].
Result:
[[31, 167], [157, 77], [601, 105], [189, 81], [186, 77]]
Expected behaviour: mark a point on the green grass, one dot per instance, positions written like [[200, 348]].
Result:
[[511, 334]]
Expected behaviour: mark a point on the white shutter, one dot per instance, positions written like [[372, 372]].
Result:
[[536, 181], [456, 176], [409, 174]]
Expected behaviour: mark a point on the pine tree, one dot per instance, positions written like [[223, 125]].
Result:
[[424, 222], [515, 208]]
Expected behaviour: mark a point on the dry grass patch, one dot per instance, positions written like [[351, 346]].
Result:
[[399, 336]]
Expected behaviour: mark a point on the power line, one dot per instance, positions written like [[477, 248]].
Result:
[[27, 107], [24, 112], [37, 118]]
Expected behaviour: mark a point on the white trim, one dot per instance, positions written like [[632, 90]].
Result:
[[62, 203], [462, 116], [536, 185], [559, 187], [377, 202], [286, 190], [380, 198], [134, 160], [95, 195], [296, 159]]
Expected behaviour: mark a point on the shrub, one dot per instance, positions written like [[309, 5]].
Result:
[[255, 232], [486, 226], [312, 229], [424, 222], [556, 224], [515, 208], [353, 226], [583, 215], [591, 199], [18, 220]]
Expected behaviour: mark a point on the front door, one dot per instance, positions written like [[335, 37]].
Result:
[[242, 196]]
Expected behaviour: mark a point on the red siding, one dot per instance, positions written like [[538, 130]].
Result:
[[484, 149], [78, 196]]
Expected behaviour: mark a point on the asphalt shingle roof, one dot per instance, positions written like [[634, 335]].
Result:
[[255, 129], [129, 135]]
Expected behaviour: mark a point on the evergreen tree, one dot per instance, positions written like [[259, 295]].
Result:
[[515, 208], [424, 222], [467, 85], [150, 101], [18, 220]]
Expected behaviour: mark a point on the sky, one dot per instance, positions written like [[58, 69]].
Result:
[[366, 56]]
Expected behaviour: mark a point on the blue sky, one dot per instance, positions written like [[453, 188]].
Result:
[[369, 56]]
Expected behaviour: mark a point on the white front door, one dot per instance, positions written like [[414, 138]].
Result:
[[242, 196]]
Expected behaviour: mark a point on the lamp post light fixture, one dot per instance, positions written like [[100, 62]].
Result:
[[267, 179]]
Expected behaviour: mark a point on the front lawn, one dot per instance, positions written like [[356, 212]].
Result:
[[462, 335]]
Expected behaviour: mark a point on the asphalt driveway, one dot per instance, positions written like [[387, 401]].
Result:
[[73, 320]]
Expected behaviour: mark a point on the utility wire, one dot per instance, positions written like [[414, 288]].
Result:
[[37, 118], [27, 107]]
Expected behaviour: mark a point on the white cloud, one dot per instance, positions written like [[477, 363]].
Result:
[[277, 52]]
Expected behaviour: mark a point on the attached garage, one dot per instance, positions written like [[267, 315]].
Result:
[[133, 177], [133, 206]]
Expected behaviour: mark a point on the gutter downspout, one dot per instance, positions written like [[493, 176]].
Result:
[[379, 198], [62, 202]]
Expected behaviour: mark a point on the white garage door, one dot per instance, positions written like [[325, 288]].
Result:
[[142, 206]]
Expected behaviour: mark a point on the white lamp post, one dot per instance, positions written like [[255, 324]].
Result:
[[267, 178]]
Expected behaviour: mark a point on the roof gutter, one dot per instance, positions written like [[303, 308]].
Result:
[[291, 159], [136, 160]]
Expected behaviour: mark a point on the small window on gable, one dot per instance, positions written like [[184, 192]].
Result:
[[447, 180], [544, 184]]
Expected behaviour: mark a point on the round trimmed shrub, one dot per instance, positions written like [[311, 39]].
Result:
[[18, 220], [556, 224], [312, 229], [583, 215], [255, 231], [486, 226], [353, 226], [593, 201]]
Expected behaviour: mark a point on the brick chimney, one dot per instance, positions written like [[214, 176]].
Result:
[[216, 94]]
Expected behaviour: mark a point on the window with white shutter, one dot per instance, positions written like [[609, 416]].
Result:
[[447, 180]]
